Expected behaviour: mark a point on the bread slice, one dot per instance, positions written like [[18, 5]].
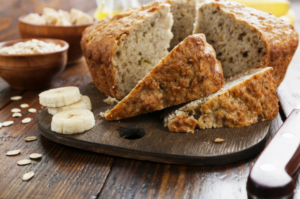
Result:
[[246, 38], [122, 50], [245, 99], [184, 15], [188, 72]]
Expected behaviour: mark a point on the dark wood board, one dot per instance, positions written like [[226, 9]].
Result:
[[159, 144]]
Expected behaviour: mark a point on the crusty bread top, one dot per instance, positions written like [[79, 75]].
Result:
[[188, 72], [280, 36], [245, 99], [99, 41]]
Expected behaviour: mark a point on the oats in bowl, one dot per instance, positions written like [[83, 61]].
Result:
[[30, 47]]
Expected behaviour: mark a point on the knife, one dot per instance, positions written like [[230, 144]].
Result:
[[271, 175]]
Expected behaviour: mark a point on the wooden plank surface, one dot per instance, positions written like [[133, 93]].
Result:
[[158, 144], [65, 172], [137, 179]]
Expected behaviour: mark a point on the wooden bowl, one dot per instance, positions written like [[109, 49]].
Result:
[[32, 71], [70, 34]]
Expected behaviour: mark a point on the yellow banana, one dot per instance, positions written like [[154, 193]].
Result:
[[276, 7], [289, 17]]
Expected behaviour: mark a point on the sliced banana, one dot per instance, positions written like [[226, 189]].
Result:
[[73, 121], [84, 103], [59, 97]]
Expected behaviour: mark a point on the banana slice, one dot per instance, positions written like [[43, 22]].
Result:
[[73, 121], [84, 103], [59, 97]]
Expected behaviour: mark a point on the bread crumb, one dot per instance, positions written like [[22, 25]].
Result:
[[219, 140], [103, 114], [110, 100]]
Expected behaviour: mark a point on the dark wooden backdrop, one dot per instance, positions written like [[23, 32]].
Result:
[[66, 172]]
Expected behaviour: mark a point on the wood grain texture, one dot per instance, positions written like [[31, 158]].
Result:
[[61, 167], [137, 179], [63, 172], [159, 144], [6, 92]]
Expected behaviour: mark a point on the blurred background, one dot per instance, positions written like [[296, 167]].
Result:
[[11, 10], [280, 8]]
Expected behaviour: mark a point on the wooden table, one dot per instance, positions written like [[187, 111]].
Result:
[[66, 172]]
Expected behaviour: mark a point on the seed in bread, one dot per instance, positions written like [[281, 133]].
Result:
[[188, 72], [245, 99], [247, 38], [120, 51]]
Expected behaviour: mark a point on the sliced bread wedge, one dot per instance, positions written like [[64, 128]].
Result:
[[245, 99], [120, 51], [188, 72]]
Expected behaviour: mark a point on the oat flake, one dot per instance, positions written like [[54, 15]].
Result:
[[26, 120], [16, 110], [14, 98], [23, 162], [17, 115], [14, 152], [7, 123], [24, 105], [31, 138], [32, 110], [28, 176], [35, 156]]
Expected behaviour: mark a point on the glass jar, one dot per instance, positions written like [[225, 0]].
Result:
[[112, 7]]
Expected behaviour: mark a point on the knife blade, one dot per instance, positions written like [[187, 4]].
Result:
[[270, 176]]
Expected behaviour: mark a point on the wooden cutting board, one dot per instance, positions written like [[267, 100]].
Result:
[[145, 138]]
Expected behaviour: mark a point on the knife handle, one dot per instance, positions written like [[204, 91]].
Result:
[[270, 176]]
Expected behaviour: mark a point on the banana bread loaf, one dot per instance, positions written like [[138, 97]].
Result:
[[122, 50], [245, 99], [188, 72], [246, 38]]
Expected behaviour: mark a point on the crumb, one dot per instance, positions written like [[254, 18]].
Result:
[[207, 142], [103, 114], [219, 140], [110, 100], [192, 132]]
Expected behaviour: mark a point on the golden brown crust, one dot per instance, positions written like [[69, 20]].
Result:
[[188, 72], [246, 103], [252, 101], [280, 37], [183, 123], [99, 43]]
